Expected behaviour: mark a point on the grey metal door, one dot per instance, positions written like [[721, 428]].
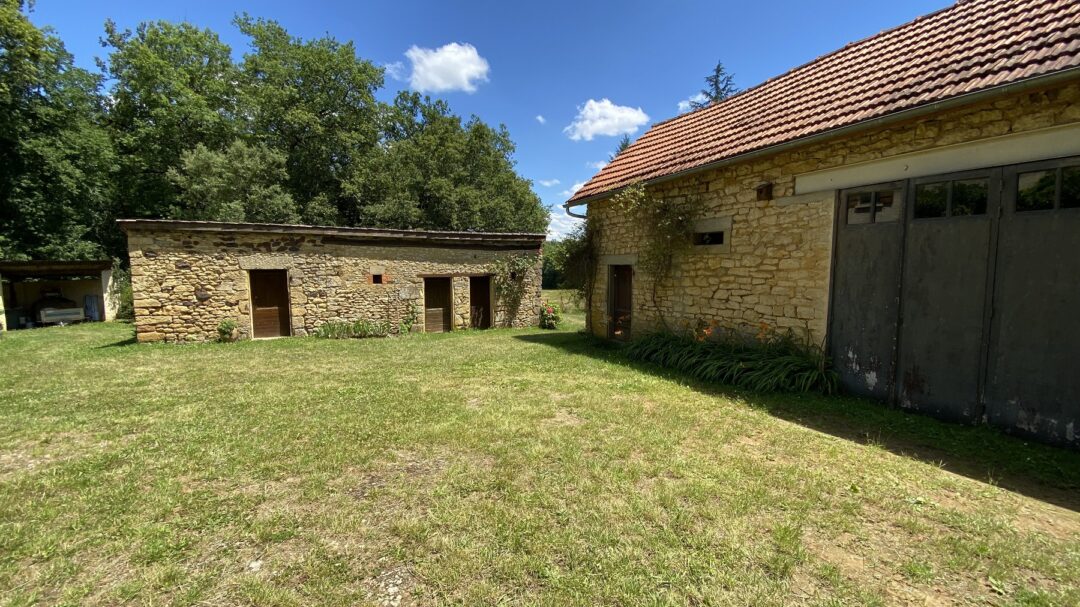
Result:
[[866, 288], [943, 298], [1033, 374]]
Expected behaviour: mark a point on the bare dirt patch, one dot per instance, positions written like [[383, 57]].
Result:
[[28, 456], [563, 418]]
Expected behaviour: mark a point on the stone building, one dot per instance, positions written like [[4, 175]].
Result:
[[911, 202], [277, 280]]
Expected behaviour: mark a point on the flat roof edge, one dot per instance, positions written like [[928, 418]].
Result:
[[433, 236]]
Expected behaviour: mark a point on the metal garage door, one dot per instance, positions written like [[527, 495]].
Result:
[[964, 303]]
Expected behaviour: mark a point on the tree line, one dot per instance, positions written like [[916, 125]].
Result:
[[171, 126]]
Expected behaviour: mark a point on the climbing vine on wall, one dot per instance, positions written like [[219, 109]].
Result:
[[509, 278], [666, 224]]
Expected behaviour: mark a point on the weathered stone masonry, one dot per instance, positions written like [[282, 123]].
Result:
[[774, 268], [186, 282]]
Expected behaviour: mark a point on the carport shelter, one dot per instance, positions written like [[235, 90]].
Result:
[[37, 293]]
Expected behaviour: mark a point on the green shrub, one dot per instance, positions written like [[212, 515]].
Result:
[[406, 325], [769, 363], [226, 330], [550, 316], [122, 296], [336, 329]]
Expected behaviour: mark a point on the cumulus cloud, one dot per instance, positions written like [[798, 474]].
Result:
[[596, 164], [540, 118], [395, 70], [547, 183], [573, 189], [686, 104], [605, 118], [561, 224], [451, 67]]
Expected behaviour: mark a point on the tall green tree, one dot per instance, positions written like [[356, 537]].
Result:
[[56, 157], [243, 183], [173, 89], [314, 101], [621, 147], [293, 132], [719, 85], [435, 172]]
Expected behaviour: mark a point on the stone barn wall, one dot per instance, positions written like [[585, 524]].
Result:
[[773, 270], [186, 282]]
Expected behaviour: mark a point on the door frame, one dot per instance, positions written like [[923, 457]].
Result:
[[288, 301], [611, 301], [490, 300], [449, 326]]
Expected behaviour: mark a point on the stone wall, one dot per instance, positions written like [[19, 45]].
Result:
[[774, 268], [186, 282]]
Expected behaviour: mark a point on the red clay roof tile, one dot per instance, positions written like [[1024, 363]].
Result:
[[970, 46]]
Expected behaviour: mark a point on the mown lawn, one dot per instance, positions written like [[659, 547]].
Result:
[[500, 467]]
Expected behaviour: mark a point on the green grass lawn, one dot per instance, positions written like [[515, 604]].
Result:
[[498, 467]]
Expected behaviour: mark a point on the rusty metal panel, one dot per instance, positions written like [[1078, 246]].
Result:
[[866, 294], [942, 317], [1033, 374]]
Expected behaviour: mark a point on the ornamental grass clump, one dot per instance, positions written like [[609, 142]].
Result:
[[358, 329], [770, 362]]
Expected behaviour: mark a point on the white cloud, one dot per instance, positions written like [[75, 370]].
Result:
[[686, 104], [561, 224], [573, 189], [547, 183], [395, 70], [451, 67], [596, 164], [605, 118], [540, 118]]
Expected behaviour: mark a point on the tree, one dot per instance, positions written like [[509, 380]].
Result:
[[243, 183], [718, 86], [434, 172], [173, 89], [57, 160], [292, 133], [314, 101], [623, 144]]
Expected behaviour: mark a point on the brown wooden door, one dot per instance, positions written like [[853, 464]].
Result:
[[622, 292], [270, 303], [480, 302], [438, 305]]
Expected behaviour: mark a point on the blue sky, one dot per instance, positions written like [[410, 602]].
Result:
[[592, 70]]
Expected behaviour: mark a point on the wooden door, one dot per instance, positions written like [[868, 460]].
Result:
[[270, 303], [438, 305], [480, 311], [622, 297]]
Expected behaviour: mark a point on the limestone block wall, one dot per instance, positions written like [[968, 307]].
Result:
[[774, 268], [185, 283]]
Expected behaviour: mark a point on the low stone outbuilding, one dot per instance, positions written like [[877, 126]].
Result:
[[911, 201], [279, 280]]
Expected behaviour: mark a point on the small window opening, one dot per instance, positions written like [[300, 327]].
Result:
[[1035, 191], [1048, 189], [708, 238], [880, 204], [376, 279]]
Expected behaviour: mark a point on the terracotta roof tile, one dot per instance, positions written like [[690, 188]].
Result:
[[970, 46]]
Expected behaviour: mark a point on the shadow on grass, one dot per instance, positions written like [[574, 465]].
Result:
[[979, 452], [130, 341]]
